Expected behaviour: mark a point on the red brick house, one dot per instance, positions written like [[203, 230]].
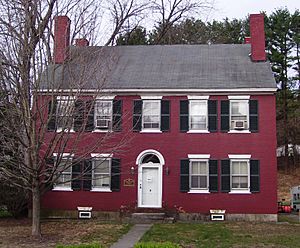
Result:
[[202, 126]]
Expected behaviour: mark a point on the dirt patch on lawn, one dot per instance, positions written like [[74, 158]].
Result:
[[16, 233]]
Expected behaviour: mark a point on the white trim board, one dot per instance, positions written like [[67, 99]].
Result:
[[170, 91]]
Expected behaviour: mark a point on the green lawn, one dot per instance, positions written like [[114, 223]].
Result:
[[226, 234]]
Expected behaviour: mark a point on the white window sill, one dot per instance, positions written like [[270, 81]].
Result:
[[199, 191], [239, 131], [239, 192], [66, 131], [198, 131], [100, 190], [62, 189], [101, 131], [150, 131]]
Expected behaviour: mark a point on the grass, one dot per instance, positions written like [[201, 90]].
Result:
[[234, 234]]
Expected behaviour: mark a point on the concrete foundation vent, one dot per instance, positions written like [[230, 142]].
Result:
[[217, 214], [84, 212]]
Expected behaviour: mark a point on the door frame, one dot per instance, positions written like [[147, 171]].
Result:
[[158, 166]]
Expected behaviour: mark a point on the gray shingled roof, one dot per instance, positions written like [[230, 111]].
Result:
[[163, 67]]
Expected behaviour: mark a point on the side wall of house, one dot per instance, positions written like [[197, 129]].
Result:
[[174, 146]]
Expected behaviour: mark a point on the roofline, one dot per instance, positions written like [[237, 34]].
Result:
[[167, 91]]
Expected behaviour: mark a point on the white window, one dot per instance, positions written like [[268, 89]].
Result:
[[101, 173], [240, 175], [64, 170], [151, 115], [64, 113], [198, 115], [103, 115], [199, 174], [239, 114]]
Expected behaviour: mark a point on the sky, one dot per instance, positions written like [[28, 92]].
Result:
[[241, 8]]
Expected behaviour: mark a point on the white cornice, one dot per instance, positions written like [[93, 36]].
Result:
[[164, 92]]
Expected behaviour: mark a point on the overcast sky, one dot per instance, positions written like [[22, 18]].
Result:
[[241, 8]]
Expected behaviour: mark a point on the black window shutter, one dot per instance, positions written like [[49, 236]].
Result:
[[117, 115], [184, 115], [78, 115], [225, 115], [49, 172], [137, 115], [253, 111], [225, 175], [254, 176], [90, 109], [213, 175], [184, 175], [76, 176], [165, 116], [212, 116], [115, 174], [52, 115], [87, 175]]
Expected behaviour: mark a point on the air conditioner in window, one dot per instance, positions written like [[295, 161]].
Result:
[[239, 124], [102, 123]]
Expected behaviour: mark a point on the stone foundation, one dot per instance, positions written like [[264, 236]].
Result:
[[197, 217], [184, 217]]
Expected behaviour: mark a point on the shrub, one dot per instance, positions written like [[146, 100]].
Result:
[[156, 245], [94, 245]]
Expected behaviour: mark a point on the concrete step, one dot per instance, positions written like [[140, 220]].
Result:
[[151, 218]]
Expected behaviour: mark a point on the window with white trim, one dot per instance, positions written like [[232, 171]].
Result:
[[199, 174], [240, 179], [103, 115], [198, 115], [101, 173], [64, 168], [64, 113], [151, 115], [239, 114]]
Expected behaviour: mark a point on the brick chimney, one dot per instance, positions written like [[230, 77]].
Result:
[[61, 39], [257, 40], [82, 42]]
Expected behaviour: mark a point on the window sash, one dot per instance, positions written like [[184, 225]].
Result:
[[199, 176], [65, 177], [198, 115], [151, 114], [64, 113], [103, 114], [240, 176], [101, 179]]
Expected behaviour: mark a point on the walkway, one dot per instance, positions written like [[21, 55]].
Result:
[[132, 237]]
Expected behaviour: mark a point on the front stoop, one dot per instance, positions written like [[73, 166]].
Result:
[[150, 218]]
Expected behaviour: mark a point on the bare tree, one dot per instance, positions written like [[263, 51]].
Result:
[[124, 11], [173, 11], [26, 74]]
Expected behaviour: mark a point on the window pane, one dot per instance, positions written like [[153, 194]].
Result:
[[203, 168], [235, 168], [203, 182], [235, 182], [101, 181], [239, 108], [243, 168], [195, 181], [101, 166], [195, 168], [244, 182], [198, 108]]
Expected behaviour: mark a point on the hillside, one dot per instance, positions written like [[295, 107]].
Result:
[[285, 182]]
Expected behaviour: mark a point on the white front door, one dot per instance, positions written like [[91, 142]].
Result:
[[150, 185]]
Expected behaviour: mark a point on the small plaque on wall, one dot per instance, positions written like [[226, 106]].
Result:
[[129, 182]]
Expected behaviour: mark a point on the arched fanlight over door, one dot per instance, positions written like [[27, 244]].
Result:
[[150, 158]]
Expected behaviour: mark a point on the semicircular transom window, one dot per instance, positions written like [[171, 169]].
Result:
[[150, 158]]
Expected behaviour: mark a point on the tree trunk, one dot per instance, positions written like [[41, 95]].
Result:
[[36, 209]]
